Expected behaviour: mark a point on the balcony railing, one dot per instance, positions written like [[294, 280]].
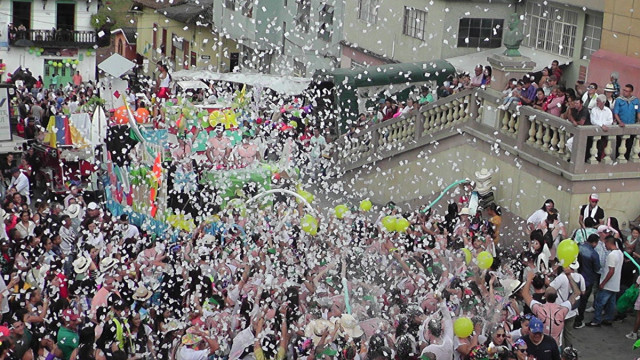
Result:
[[533, 135], [52, 38]]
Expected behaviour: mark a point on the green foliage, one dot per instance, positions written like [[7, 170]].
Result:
[[101, 19]]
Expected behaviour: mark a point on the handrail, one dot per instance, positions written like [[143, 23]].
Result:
[[534, 135], [43, 37]]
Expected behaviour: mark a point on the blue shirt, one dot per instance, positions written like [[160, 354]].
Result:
[[627, 109], [589, 264], [530, 93]]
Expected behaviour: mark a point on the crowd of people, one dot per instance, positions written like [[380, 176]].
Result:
[[79, 283]]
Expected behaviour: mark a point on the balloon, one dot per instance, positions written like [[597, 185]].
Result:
[[463, 327], [4, 331], [341, 211], [306, 195], [230, 119], [567, 252], [467, 255], [121, 116], [76, 61], [485, 259], [67, 65], [216, 117], [50, 62], [141, 115], [389, 222], [309, 224], [74, 66], [294, 124], [365, 205], [402, 224]]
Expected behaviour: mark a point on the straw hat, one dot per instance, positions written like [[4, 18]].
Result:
[[315, 329], [513, 286], [73, 211], [81, 265], [108, 263], [142, 294], [350, 326], [191, 339]]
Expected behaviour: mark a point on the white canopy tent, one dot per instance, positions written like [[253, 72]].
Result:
[[285, 85]]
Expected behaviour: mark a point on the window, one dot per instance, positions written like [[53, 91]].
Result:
[[120, 47], [483, 33], [163, 45], [247, 8], [414, 22], [550, 28], [185, 57], [22, 14], [230, 4], [326, 23], [299, 69], [303, 14], [368, 10], [592, 35]]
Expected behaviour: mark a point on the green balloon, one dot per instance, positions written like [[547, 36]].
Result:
[[50, 62]]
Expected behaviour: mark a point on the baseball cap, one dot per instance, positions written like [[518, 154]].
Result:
[[92, 206], [536, 326], [69, 315], [604, 228], [594, 197]]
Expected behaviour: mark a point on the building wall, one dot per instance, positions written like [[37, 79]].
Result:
[[45, 19], [212, 51], [621, 27], [441, 31], [272, 32], [128, 50]]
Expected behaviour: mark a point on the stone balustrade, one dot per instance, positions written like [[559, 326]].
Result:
[[536, 136]]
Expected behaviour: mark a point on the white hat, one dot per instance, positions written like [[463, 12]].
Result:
[[92, 206], [464, 211], [575, 265], [142, 294], [350, 326], [513, 286], [594, 197], [315, 329], [81, 264], [73, 211], [108, 263]]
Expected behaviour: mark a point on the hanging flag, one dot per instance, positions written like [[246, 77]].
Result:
[[157, 169], [50, 137]]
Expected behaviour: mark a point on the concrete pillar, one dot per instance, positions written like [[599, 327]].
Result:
[[507, 67]]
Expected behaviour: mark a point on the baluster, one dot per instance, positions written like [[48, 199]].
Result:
[[433, 114], [554, 139], [608, 149], [532, 131], [516, 122], [439, 116], [466, 108], [561, 142], [426, 126], [546, 138], [505, 120], [512, 123], [404, 129], [594, 150], [635, 150], [539, 134], [622, 149], [456, 110]]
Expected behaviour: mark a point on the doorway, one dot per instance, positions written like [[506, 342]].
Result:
[[22, 14], [66, 16], [234, 61]]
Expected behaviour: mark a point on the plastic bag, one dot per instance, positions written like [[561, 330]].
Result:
[[626, 301]]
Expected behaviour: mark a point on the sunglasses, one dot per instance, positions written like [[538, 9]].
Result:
[[522, 350], [500, 335], [591, 88]]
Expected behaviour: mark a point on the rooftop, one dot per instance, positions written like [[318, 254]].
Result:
[[191, 12]]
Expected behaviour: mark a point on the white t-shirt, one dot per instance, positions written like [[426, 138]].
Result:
[[563, 288], [537, 217], [4, 304], [185, 353], [317, 145], [444, 350], [614, 260], [602, 117]]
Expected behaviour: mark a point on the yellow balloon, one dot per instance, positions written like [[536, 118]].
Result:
[[467, 255], [309, 224], [365, 205], [341, 211], [389, 222], [230, 119], [485, 259], [216, 117], [567, 252], [463, 327], [306, 195], [402, 224]]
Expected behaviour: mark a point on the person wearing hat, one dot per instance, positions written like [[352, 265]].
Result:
[[540, 345], [68, 339], [564, 291], [19, 184], [93, 211], [591, 210], [192, 347], [609, 93]]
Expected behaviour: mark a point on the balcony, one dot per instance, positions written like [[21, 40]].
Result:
[[52, 38], [532, 135]]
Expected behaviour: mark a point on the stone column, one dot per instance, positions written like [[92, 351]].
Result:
[[507, 67]]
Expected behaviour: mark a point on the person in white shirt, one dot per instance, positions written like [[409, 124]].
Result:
[[192, 349], [564, 290], [589, 97], [20, 184], [318, 143], [128, 230], [609, 285], [600, 114], [441, 344]]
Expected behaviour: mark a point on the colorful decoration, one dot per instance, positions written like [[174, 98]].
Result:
[[120, 116], [142, 115]]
